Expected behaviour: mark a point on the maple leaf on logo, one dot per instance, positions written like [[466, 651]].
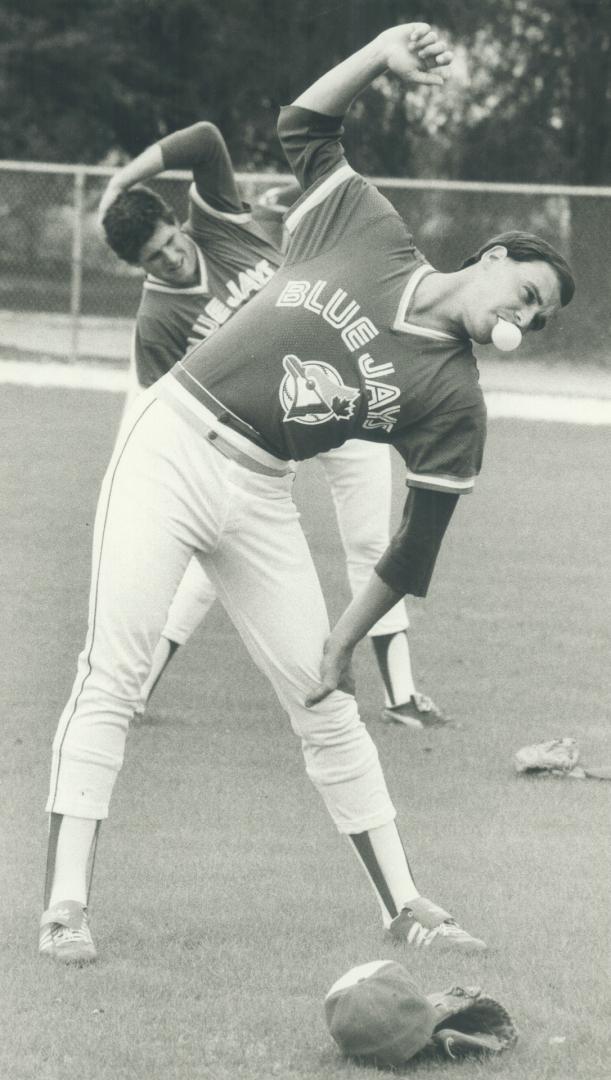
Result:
[[342, 407]]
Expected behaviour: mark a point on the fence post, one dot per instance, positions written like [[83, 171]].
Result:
[[76, 285]]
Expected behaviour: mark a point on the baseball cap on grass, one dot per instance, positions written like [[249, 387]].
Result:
[[376, 1011]]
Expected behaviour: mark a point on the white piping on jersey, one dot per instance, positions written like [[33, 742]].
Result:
[[446, 482], [406, 327], [241, 218], [319, 194], [151, 282]]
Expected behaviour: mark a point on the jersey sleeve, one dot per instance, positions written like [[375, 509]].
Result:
[[312, 143], [202, 149], [443, 455], [218, 219], [336, 200], [444, 451]]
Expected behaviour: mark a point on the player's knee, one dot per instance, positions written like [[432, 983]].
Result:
[[335, 738], [331, 720], [342, 760]]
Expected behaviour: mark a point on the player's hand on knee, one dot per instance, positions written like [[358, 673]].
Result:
[[335, 674], [416, 54]]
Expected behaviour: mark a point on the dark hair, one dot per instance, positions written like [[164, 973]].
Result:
[[526, 247], [131, 220]]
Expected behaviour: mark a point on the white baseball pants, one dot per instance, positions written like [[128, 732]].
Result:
[[169, 494], [359, 474]]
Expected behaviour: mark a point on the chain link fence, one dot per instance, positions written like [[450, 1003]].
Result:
[[64, 293]]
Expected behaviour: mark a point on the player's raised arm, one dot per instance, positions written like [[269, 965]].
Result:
[[310, 129], [414, 52], [147, 164], [199, 148]]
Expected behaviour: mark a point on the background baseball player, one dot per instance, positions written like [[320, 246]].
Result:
[[198, 275], [202, 467]]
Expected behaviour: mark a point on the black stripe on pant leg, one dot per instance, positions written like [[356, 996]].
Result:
[[174, 646], [381, 646], [55, 821], [92, 854], [364, 847]]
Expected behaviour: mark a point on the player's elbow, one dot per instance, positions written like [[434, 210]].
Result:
[[206, 132], [199, 141]]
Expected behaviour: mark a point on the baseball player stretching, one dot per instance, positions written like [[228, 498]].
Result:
[[197, 277], [355, 336]]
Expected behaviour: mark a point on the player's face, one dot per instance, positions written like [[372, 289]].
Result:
[[524, 293], [170, 256]]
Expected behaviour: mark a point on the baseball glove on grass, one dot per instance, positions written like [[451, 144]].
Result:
[[555, 756], [558, 757], [470, 1021]]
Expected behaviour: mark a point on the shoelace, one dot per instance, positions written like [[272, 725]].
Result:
[[64, 934], [419, 935], [453, 930]]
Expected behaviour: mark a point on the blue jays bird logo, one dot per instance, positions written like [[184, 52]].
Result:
[[313, 392]]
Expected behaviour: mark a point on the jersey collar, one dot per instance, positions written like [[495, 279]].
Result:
[[402, 323], [151, 282]]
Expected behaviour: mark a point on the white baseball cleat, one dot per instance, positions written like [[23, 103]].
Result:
[[422, 923], [65, 935], [418, 713]]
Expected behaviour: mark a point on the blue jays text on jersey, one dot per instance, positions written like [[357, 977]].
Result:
[[356, 330], [237, 291]]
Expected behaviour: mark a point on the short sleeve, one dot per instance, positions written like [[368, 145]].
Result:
[[444, 451], [311, 142], [336, 199], [202, 149]]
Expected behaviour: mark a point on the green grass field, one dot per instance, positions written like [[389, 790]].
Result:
[[224, 904]]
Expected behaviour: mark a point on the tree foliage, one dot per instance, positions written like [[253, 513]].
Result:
[[529, 100]]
